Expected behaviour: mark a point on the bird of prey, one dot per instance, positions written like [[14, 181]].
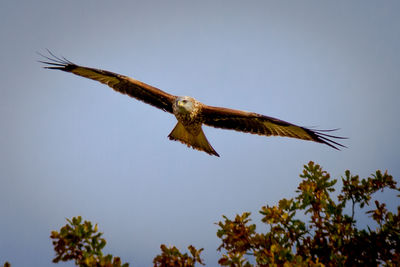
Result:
[[192, 114]]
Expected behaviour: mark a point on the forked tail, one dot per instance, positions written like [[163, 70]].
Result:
[[199, 142]]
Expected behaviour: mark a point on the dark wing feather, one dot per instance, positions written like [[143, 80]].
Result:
[[254, 123], [118, 82]]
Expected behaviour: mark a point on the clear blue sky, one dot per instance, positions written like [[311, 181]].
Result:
[[70, 146]]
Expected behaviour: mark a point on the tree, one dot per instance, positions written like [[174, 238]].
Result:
[[327, 237], [81, 242]]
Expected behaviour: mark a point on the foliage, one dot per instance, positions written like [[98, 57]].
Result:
[[82, 243], [330, 238], [172, 257]]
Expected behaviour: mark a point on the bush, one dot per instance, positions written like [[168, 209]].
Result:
[[82, 243], [328, 236]]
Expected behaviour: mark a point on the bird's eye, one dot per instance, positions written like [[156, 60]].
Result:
[[184, 101]]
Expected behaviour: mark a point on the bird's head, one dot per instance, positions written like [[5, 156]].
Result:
[[185, 104]]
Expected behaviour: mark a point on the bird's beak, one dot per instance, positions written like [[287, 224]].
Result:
[[180, 103]]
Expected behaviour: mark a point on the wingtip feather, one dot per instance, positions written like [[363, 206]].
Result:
[[327, 138], [54, 62]]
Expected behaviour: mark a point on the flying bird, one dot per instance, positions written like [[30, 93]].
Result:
[[192, 114]]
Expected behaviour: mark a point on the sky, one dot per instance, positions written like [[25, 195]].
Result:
[[70, 146]]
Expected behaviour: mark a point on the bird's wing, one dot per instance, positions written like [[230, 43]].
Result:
[[254, 123], [118, 82]]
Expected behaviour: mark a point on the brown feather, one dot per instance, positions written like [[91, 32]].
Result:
[[250, 122], [199, 141], [120, 83]]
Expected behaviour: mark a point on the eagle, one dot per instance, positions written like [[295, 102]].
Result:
[[192, 114]]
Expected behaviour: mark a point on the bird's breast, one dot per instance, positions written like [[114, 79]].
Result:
[[191, 121]]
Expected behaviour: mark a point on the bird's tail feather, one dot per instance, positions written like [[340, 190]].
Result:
[[199, 142]]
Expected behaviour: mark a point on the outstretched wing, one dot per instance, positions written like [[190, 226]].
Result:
[[254, 123], [118, 82]]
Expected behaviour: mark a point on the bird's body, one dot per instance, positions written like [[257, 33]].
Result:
[[188, 130], [192, 114]]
